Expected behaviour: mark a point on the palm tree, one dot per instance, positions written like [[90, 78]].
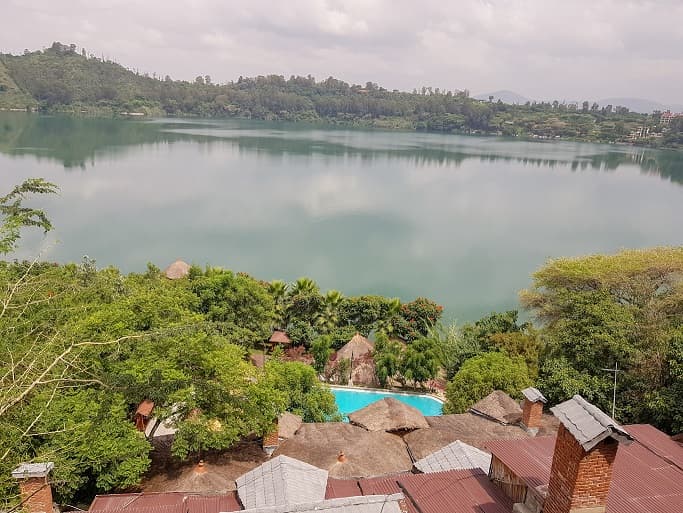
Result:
[[304, 286], [385, 325], [278, 289], [328, 319]]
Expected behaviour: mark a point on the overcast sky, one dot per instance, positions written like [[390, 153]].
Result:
[[543, 49]]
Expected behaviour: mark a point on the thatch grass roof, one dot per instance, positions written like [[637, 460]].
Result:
[[388, 414], [367, 453], [500, 407], [279, 337], [364, 372], [177, 270], [288, 424], [355, 348], [472, 429]]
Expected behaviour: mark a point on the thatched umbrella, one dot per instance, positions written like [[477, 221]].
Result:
[[355, 348], [366, 453], [500, 407], [389, 414], [177, 270]]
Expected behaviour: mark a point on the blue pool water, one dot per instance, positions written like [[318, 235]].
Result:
[[349, 400]]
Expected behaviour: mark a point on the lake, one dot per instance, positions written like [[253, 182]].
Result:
[[461, 220]]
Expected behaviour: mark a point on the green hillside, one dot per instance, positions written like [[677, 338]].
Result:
[[11, 97], [60, 79]]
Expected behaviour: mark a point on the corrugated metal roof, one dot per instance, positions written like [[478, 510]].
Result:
[[282, 480], [369, 504], [455, 491], [455, 456], [165, 502], [588, 423], [534, 395], [338, 488], [647, 475]]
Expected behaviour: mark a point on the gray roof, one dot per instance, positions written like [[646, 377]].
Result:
[[588, 423], [534, 395], [362, 504], [455, 456], [282, 481], [26, 470]]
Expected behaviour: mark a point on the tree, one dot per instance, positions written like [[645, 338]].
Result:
[[600, 310], [481, 375], [387, 357], [321, 349], [419, 315], [452, 347], [420, 361], [328, 319], [16, 216]]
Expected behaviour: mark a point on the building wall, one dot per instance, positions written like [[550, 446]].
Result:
[[507, 481], [579, 480], [36, 495]]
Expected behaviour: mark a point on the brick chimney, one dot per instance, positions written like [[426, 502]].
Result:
[[36, 493], [532, 409], [585, 448]]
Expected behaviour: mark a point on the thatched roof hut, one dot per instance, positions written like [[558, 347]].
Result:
[[499, 407], [366, 453], [279, 337], [288, 424], [177, 270], [389, 414], [355, 348], [364, 372]]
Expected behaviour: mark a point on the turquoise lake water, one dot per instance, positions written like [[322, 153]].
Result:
[[349, 400]]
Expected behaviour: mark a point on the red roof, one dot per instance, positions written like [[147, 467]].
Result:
[[145, 408], [279, 337], [456, 491], [647, 476], [165, 502]]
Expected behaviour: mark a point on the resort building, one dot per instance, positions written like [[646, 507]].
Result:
[[590, 464]]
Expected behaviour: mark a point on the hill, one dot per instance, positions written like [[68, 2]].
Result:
[[60, 79]]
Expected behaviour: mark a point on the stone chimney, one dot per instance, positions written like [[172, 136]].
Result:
[[36, 493], [532, 409], [586, 445]]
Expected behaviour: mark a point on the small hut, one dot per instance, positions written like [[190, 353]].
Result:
[[177, 270], [389, 415], [357, 347], [499, 407], [279, 338]]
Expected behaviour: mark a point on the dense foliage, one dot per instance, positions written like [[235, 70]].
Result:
[[605, 310], [62, 79], [481, 375]]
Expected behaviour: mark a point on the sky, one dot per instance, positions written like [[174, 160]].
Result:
[[542, 49]]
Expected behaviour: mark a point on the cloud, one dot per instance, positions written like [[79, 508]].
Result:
[[545, 49]]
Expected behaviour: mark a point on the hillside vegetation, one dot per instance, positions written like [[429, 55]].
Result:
[[62, 79]]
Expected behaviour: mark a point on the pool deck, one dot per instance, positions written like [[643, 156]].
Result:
[[389, 391]]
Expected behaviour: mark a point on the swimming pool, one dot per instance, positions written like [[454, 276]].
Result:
[[352, 399]]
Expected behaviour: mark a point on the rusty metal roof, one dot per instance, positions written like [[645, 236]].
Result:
[[165, 502], [647, 475], [456, 491], [337, 488]]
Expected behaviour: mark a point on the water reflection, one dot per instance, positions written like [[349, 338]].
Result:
[[463, 220], [78, 142]]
